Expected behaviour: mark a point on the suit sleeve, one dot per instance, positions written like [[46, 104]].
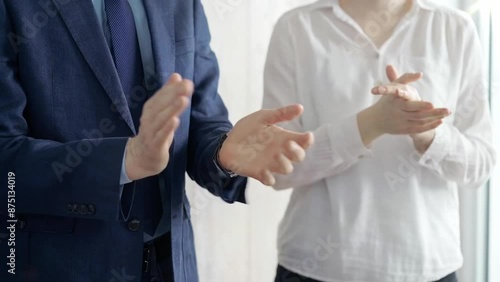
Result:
[[209, 120], [74, 179]]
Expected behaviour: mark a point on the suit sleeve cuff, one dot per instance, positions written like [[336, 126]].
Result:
[[123, 175], [234, 188]]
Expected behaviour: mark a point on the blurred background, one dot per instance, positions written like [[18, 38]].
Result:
[[237, 243]]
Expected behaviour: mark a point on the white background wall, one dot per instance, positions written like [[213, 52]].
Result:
[[237, 243]]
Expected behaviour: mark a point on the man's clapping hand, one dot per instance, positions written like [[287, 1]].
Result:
[[256, 147], [147, 153]]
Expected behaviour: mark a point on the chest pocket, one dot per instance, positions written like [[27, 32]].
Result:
[[184, 57], [340, 86]]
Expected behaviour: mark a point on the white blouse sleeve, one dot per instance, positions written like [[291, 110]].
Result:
[[463, 152], [338, 145]]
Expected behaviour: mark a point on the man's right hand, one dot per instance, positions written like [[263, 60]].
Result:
[[147, 154]]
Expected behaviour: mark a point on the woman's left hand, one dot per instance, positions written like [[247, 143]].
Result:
[[400, 87]]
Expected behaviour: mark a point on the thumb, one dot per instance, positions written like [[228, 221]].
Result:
[[283, 114], [392, 73], [174, 78], [409, 78]]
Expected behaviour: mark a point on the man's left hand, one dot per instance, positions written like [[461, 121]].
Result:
[[258, 148]]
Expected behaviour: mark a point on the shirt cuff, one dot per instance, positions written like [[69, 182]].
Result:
[[346, 139], [123, 175], [438, 148]]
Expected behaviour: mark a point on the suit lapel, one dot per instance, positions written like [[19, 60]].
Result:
[[79, 16], [161, 25]]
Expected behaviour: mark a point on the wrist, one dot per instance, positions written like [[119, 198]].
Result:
[[223, 157], [132, 168], [423, 141], [368, 126]]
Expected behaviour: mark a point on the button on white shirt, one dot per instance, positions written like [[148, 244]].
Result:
[[384, 213]]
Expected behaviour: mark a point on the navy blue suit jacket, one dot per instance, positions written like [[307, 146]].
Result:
[[64, 123]]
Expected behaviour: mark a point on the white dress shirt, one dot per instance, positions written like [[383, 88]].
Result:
[[384, 213]]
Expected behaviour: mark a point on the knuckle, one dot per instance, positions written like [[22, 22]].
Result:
[[280, 112], [263, 176], [277, 157]]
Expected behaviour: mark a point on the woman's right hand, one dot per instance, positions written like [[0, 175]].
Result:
[[399, 111], [400, 87]]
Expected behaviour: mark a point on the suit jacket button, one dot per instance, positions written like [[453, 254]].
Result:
[[91, 209], [21, 223], [70, 208], [133, 225], [83, 209]]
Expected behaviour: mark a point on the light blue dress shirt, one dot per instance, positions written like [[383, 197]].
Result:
[[144, 36]]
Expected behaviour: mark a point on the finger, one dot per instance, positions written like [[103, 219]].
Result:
[[184, 87], [392, 73], [391, 89], [413, 106], [294, 152], [165, 136], [409, 78], [282, 165], [174, 110], [403, 94], [429, 114], [425, 121], [174, 78], [283, 114], [427, 127], [152, 116], [267, 178], [168, 93], [305, 140]]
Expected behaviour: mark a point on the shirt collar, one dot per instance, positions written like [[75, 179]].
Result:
[[423, 4]]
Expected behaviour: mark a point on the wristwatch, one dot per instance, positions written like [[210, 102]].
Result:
[[229, 173]]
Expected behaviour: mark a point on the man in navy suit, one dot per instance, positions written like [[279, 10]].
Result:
[[104, 105]]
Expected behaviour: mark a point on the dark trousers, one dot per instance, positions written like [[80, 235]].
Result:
[[285, 275], [157, 260]]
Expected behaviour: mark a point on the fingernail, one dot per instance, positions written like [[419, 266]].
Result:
[[382, 89]]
